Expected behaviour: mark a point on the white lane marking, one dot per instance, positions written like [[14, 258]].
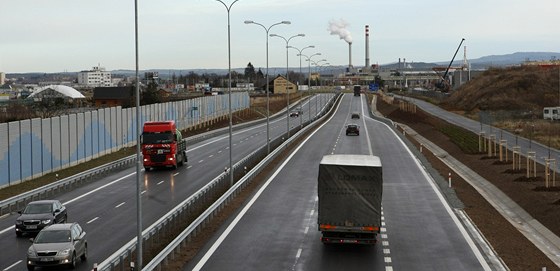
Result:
[[298, 253], [388, 268], [306, 230], [211, 155], [99, 188], [387, 259], [383, 236], [382, 224], [4, 216], [200, 161], [159, 183], [383, 229], [220, 151], [444, 202], [236, 220], [143, 191], [120, 204], [386, 251], [365, 127], [385, 243], [96, 218], [11, 266], [312, 212], [7, 229], [189, 167], [175, 174]]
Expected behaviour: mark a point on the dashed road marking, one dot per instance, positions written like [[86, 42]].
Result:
[[387, 259], [120, 204], [386, 251], [312, 212], [219, 151], [96, 218], [159, 183], [189, 167], [211, 155], [143, 191], [385, 243], [9, 267], [298, 253], [175, 174], [306, 230], [200, 161]]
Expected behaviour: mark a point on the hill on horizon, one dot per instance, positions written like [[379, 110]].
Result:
[[523, 88]]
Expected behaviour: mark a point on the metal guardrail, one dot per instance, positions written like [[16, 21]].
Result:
[[19, 202], [206, 196], [175, 246]]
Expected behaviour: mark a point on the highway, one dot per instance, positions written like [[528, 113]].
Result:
[[277, 230], [106, 209]]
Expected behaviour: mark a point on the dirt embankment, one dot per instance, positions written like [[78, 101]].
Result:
[[516, 251]]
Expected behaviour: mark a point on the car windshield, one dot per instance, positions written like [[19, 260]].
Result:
[[157, 138], [58, 236], [38, 209], [351, 126]]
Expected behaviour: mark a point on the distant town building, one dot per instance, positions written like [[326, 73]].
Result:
[[52, 92], [113, 96], [281, 85], [2, 78], [97, 77]]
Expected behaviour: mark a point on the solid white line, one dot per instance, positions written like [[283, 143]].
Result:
[[298, 253], [92, 220], [446, 206], [121, 204], [159, 183], [9, 267], [365, 127], [232, 225]]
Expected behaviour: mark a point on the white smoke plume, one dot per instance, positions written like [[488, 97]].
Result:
[[339, 28]]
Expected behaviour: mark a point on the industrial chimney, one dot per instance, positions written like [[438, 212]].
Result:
[[349, 55], [367, 46]]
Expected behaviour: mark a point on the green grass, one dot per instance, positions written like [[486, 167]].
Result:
[[465, 140]]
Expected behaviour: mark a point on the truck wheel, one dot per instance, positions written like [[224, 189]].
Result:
[[182, 160]]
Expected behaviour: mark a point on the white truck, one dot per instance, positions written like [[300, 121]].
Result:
[[551, 113], [350, 188]]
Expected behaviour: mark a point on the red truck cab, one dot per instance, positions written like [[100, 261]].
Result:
[[162, 145]]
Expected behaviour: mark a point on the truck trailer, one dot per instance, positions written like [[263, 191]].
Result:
[[162, 145], [357, 90], [349, 192]]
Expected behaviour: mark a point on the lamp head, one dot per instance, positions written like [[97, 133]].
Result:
[[286, 22], [249, 22]]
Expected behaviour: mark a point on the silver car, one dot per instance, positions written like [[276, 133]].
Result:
[[58, 245]]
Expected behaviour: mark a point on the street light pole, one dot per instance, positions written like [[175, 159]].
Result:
[[228, 8], [138, 157], [299, 54], [287, 77], [267, 29], [308, 59], [317, 98]]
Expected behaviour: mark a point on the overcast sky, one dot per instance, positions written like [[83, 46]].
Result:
[[74, 35]]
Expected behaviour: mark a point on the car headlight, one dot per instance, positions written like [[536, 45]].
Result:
[[64, 252], [46, 221], [31, 252]]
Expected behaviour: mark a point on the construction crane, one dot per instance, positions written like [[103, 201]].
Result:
[[443, 85]]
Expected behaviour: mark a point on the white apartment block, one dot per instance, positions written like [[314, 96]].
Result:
[[97, 77], [2, 78]]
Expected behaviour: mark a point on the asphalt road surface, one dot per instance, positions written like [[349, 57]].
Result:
[[106, 209], [277, 228]]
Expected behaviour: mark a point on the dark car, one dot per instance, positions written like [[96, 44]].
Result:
[[58, 245], [294, 114], [352, 129], [355, 115], [39, 214]]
